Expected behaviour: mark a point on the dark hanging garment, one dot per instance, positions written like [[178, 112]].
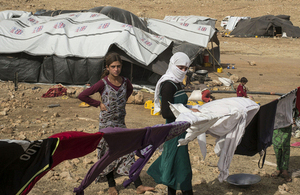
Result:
[[21, 162], [258, 134]]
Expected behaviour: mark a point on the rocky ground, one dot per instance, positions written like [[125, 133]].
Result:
[[24, 114]]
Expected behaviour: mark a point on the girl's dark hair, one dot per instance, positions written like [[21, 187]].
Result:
[[108, 60], [244, 80]]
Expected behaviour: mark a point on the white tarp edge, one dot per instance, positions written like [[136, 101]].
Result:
[[197, 34], [233, 21], [79, 34], [4, 15], [192, 19]]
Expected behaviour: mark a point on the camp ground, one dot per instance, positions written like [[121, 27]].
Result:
[[271, 64], [68, 46]]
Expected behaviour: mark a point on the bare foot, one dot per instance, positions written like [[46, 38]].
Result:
[[285, 174], [276, 174], [112, 191], [142, 189]]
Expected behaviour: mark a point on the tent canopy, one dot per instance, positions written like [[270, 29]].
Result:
[[190, 34], [68, 46], [267, 25]]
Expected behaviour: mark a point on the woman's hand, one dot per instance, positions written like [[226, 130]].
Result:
[[194, 110], [103, 107]]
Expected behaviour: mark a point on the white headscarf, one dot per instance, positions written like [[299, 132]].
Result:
[[173, 73]]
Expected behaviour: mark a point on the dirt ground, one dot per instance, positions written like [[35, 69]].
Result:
[[276, 70]]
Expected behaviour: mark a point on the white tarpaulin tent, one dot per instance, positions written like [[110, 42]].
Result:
[[198, 34], [85, 35], [68, 46], [189, 32]]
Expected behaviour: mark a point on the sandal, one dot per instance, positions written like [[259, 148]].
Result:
[[276, 174]]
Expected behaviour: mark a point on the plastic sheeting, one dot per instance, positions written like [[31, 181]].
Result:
[[192, 19], [77, 34], [68, 46], [192, 33]]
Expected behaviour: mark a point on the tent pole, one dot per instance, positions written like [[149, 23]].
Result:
[[212, 51], [16, 80], [131, 72]]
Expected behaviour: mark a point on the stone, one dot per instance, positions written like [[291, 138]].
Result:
[[68, 164], [101, 192], [202, 181], [3, 113], [75, 161], [78, 91], [235, 78], [46, 125], [139, 98], [149, 192], [88, 161], [92, 127], [252, 63], [161, 187], [194, 171], [7, 130], [18, 121], [131, 100], [286, 188], [66, 175], [217, 83], [282, 190], [56, 114], [22, 136]]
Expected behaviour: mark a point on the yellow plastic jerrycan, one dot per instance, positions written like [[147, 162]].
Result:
[[220, 70], [148, 104]]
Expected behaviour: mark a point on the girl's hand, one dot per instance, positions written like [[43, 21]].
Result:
[[103, 107]]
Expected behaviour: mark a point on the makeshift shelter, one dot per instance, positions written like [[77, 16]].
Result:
[[190, 34], [64, 49], [68, 46], [267, 25]]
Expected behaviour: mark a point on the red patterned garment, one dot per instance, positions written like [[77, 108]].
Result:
[[55, 91]]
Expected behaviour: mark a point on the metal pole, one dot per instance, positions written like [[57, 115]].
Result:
[[131, 72], [16, 81], [212, 51], [248, 92]]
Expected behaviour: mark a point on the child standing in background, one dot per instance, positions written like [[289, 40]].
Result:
[[241, 90]]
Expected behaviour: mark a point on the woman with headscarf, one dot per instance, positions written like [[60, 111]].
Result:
[[173, 167]]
